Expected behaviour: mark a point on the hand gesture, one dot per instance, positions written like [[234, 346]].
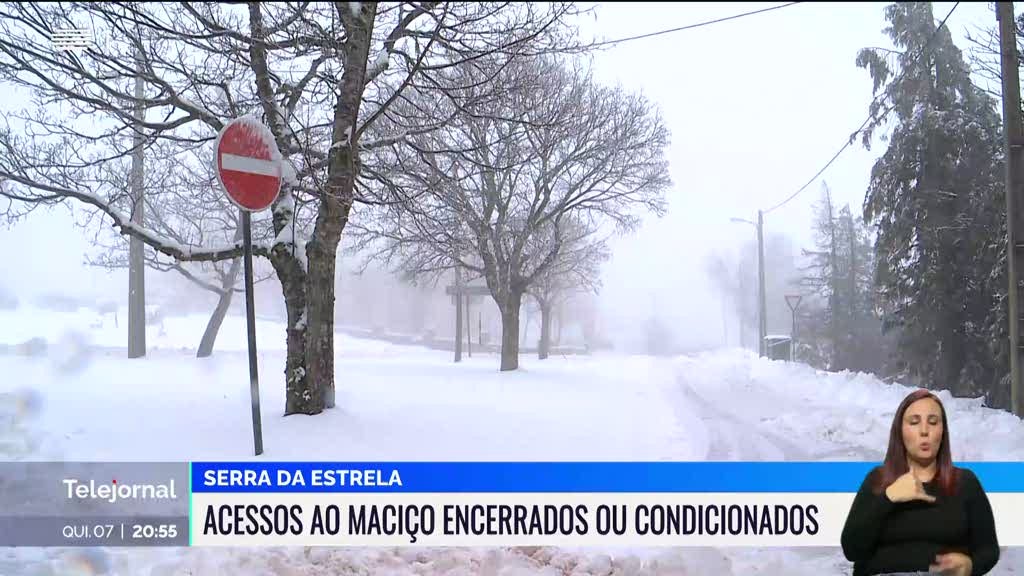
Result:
[[907, 488], [952, 564]]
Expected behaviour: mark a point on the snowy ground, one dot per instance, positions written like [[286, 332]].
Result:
[[83, 400]]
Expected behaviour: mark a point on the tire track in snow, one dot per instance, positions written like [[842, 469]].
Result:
[[731, 437], [735, 437]]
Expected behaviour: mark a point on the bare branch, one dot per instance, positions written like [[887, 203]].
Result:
[[516, 184]]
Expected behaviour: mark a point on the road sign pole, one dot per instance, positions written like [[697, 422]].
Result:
[[792, 338], [793, 301], [461, 295], [250, 320], [249, 169]]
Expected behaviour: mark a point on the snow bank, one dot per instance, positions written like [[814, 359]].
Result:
[[409, 403], [829, 412]]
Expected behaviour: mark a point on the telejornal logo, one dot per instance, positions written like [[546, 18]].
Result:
[[71, 39], [113, 491]]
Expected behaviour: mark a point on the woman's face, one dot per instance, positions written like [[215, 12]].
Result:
[[922, 430]]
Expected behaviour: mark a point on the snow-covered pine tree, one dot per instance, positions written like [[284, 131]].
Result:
[[840, 325], [864, 348], [932, 197]]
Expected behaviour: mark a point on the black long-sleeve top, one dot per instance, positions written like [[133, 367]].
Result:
[[882, 536]]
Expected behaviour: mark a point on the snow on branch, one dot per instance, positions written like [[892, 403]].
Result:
[[124, 225]]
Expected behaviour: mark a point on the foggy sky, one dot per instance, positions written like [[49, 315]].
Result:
[[755, 107]]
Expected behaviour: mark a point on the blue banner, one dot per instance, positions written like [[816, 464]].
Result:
[[490, 477]]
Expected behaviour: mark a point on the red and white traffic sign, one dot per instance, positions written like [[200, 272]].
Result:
[[248, 164]]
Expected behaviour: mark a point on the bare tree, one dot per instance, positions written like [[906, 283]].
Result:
[[541, 145], [576, 269], [184, 205], [318, 74], [984, 55]]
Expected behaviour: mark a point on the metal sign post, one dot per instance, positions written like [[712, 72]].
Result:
[[461, 294], [250, 172], [793, 301]]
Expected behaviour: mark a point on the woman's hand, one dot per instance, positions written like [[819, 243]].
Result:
[[907, 488], [952, 564]]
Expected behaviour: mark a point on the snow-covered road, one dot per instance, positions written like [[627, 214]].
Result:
[[407, 403], [737, 417], [749, 409], [745, 420]]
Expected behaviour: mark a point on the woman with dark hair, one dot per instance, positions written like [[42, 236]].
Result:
[[917, 513]]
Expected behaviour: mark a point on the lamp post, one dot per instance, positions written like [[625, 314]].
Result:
[[762, 316]]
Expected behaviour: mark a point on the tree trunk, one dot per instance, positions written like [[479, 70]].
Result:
[[854, 296], [320, 303], [951, 363], [544, 349], [838, 362], [458, 315], [217, 318], [300, 395], [335, 204], [525, 328], [308, 279], [510, 332], [227, 288], [560, 318]]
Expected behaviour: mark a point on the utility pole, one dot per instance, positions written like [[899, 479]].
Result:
[[458, 312], [136, 253], [744, 302], [763, 315], [1014, 197], [762, 328]]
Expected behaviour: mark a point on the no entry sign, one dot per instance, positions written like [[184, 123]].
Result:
[[249, 169], [248, 164]]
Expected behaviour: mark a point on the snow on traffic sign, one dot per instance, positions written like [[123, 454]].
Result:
[[248, 164], [249, 169]]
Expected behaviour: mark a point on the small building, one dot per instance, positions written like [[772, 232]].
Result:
[[778, 347]]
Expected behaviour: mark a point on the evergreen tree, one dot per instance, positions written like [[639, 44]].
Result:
[[821, 279], [933, 198], [841, 327], [861, 339]]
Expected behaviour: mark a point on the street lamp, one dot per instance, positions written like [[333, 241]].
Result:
[[762, 307]]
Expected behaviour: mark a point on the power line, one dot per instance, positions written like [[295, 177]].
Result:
[[641, 36], [853, 136], [649, 34], [690, 26], [659, 32]]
